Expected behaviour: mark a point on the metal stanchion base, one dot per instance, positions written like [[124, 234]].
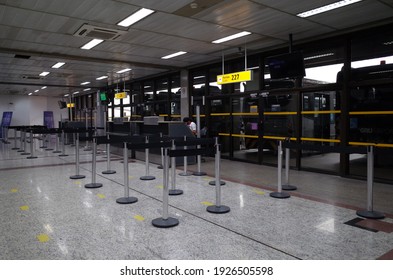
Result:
[[56, 152], [126, 200], [280, 195], [43, 147], [201, 173], [31, 157], [185, 173], [370, 214], [25, 154], [213, 183], [175, 192], [20, 151], [15, 149], [109, 172], [63, 155], [93, 185], [147, 178], [165, 223], [77, 177], [289, 188], [218, 209], [49, 149]]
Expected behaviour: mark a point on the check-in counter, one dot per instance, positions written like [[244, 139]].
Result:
[[152, 126]]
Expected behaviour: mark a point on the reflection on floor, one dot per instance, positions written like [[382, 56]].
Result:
[[46, 215]]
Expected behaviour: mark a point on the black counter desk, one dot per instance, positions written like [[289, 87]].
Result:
[[170, 129]]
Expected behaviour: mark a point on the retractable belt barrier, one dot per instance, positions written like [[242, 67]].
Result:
[[368, 150]]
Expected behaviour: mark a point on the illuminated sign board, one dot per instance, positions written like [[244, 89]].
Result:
[[236, 77], [70, 105], [121, 95]]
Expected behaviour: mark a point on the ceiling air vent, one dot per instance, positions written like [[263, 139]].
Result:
[[96, 32]]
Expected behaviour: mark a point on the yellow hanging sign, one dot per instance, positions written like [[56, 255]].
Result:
[[121, 95], [70, 105], [236, 77]]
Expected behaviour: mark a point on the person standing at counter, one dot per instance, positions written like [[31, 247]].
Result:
[[191, 125]]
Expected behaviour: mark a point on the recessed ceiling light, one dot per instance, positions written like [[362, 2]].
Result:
[[58, 65], [135, 17], [173, 55], [30, 93], [36, 90], [76, 92], [234, 36], [87, 89], [43, 74], [85, 83], [44, 87], [65, 95], [92, 44], [124, 70], [326, 8], [101, 78]]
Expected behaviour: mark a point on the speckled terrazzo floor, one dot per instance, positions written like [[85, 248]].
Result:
[[46, 215]]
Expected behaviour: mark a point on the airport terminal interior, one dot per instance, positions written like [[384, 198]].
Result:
[[291, 158]]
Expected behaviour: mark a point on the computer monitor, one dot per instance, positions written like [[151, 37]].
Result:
[[62, 104], [289, 65]]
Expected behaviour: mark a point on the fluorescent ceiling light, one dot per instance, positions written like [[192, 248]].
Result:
[[388, 43], [76, 92], [58, 65], [36, 90], [65, 95], [318, 56], [326, 8], [92, 44], [86, 89], [124, 70], [43, 74], [135, 17], [101, 78], [173, 55], [85, 83], [30, 93], [44, 87], [234, 36]]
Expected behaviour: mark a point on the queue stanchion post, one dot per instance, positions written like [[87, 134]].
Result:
[[165, 221], [279, 193], [15, 140], [126, 199], [161, 166], [218, 208], [147, 177], [108, 158], [94, 184], [213, 182], [63, 154], [24, 152], [77, 175], [369, 212], [173, 190], [48, 139], [32, 156], [57, 151], [21, 134], [287, 186], [185, 163], [199, 158]]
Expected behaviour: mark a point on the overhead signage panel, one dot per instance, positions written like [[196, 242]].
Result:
[[236, 77], [121, 95]]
